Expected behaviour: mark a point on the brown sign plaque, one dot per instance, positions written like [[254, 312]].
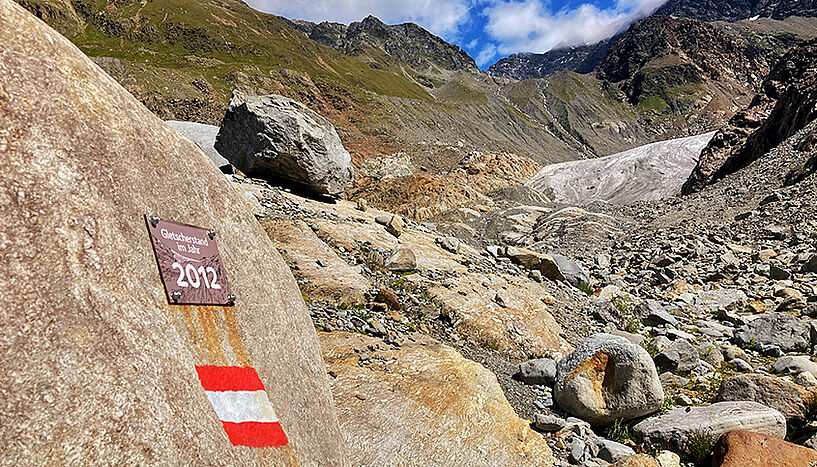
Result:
[[189, 264]]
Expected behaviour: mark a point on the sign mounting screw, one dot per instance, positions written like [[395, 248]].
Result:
[[175, 295], [211, 233], [154, 220]]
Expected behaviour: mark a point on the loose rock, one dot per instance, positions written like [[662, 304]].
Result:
[[608, 378]]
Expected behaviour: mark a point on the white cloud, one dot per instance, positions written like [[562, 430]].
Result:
[[486, 55], [528, 26], [441, 17]]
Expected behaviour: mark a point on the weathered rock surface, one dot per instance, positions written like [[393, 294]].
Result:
[[424, 404], [650, 172], [278, 138], [674, 429], [96, 366], [607, 378], [521, 326], [790, 333], [792, 400], [743, 448], [524, 327], [205, 138], [324, 274]]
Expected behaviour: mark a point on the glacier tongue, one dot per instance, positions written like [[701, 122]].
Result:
[[649, 172]]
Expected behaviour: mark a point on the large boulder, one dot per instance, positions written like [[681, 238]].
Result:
[[790, 333], [679, 427], [608, 378], [96, 366], [795, 402], [743, 448], [423, 403], [275, 137]]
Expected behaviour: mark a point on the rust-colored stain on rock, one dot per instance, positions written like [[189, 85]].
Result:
[[600, 371]]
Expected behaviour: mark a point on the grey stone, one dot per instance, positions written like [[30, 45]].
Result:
[[401, 260], [674, 428], [382, 219], [680, 357], [612, 451], [655, 314], [789, 333], [741, 364], [548, 423], [538, 371], [790, 399], [203, 136], [794, 364], [577, 453], [572, 272], [451, 244], [276, 137], [608, 378]]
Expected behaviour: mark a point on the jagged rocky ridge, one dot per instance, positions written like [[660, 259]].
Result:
[[735, 10], [581, 59], [406, 42]]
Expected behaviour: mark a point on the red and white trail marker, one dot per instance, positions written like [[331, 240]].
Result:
[[240, 401]]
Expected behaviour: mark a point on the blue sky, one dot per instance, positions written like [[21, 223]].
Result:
[[487, 29]]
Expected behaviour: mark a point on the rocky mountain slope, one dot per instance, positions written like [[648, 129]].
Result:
[[407, 43], [735, 10], [581, 59], [785, 107]]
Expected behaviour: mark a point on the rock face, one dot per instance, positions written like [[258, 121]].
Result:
[[326, 275], [538, 371], [205, 138], [276, 137], [96, 366], [785, 107], [735, 10], [424, 404], [650, 172], [607, 378], [674, 429], [742, 448]]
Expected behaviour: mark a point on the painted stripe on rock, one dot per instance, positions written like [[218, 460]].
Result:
[[256, 435], [242, 406], [229, 378]]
